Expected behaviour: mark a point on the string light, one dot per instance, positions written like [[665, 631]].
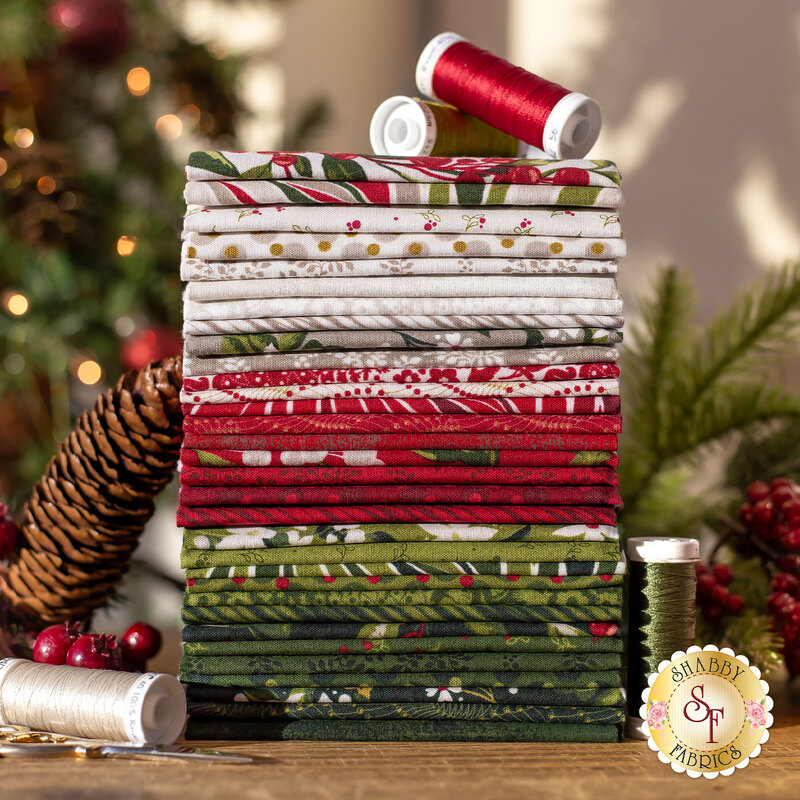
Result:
[[191, 113], [17, 304], [3, 166], [138, 81], [89, 372], [13, 179], [23, 137], [169, 126], [46, 185], [14, 363], [124, 326], [126, 245]]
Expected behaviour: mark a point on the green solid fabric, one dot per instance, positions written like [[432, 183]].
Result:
[[399, 731], [391, 663], [448, 644]]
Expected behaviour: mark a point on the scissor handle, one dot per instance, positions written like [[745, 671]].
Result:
[[41, 750]]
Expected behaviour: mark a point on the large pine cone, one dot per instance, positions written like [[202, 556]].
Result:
[[84, 519]]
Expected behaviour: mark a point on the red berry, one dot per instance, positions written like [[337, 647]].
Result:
[[713, 614], [762, 512], [784, 582], [735, 605], [723, 574], [758, 490], [705, 584], [95, 651], [782, 495], [790, 564], [791, 511], [141, 641], [52, 644], [791, 539], [746, 513], [778, 601], [778, 482], [700, 568], [720, 595], [8, 533]]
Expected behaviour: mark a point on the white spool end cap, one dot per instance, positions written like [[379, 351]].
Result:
[[400, 126], [155, 709], [427, 61], [572, 126], [663, 550]]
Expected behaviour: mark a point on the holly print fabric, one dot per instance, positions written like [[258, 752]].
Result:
[[212, 193], [398, 473]]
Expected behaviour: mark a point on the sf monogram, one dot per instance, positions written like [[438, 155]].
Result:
[[697, 705]]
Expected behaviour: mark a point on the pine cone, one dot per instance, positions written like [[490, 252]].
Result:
[[84, 519]]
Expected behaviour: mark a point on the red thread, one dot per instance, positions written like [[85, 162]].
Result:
[[510, 98]]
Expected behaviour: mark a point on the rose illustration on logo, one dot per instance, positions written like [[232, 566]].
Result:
[[756, 714], [657, 715]]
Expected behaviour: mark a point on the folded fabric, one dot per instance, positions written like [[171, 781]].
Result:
[[388, 583], [303, 341], [589, 286], [321, 192], [389, 664], [486, 712], [304, 536], [222, 476], [207, 496], [194, 269], [411, 423], [451, 322], [402, 441], [200, 728], [414, 306], [461, 551], [415, 359], [251, 569], [470, 389], [417, 375], [235, 635], [413, 405], [450, 644], [305, 244], [409, 597], [587, 679]]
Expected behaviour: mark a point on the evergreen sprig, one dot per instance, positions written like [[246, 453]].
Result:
[[688, 387]]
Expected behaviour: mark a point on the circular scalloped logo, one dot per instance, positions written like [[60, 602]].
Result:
[[706, 712]]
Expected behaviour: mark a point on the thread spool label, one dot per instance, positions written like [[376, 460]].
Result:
[[706, 712]]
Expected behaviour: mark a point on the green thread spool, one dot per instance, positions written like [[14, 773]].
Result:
[[407, 126], [662, 582]]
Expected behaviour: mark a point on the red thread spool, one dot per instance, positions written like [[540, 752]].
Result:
[[563, 123]]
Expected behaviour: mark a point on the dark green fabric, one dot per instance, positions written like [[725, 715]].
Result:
[[606, 596], [536, 696], [399, 731], [401, 663], [429, 644], [420, 630], [583, 679], [501, 613], [488, 712]]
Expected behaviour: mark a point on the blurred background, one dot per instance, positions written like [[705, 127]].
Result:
[[102, 100]]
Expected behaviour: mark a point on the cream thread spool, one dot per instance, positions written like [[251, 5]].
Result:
[[147, 708]]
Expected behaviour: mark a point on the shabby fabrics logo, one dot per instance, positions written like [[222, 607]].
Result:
[[706, 712]]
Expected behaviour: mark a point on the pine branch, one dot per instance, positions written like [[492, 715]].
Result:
[[767, 452]]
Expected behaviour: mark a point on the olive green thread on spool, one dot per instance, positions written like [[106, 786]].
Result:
[[408, 126], [662, 583]]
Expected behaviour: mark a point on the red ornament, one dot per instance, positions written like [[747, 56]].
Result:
[[8, 533], [53, 643], [97, 32], [151, 344], [140, 642], [95, 651]]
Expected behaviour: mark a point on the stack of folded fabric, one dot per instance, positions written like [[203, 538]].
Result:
[[399, 478]]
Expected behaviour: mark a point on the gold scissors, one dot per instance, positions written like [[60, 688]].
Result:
[[17, 741]]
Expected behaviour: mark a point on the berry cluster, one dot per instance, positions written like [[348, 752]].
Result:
[[772, 521], [65, 644], [714, 598]]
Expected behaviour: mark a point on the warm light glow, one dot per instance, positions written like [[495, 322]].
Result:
[[46, 184], [68, 201], [169, 126], [89, 372], [3, 166], [191, 113], [126, 245], [138, 81], [13, 179], [124, 326], [17, 304], [23, 137]]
